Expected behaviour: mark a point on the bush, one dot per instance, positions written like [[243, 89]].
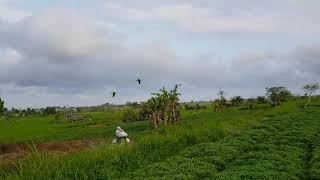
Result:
[[261, 100], [194, 107], [59, 117], [131, 115], [236, 101]]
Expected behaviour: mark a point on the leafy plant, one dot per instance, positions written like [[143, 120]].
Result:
[[131, 115], [277, 95], [163, 108]]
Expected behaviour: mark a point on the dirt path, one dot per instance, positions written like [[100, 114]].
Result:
[[12, 152]]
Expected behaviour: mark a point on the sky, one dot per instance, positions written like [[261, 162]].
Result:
[[76, 52]]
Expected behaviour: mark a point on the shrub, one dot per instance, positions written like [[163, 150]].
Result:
[[261, 100], [236, 101], [131, 115], [59, 117], [194, 107]]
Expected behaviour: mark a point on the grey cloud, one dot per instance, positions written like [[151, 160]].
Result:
[[59, 56]]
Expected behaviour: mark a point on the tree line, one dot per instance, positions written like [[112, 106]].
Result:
[[163, 108]]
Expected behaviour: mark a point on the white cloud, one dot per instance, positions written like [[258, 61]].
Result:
[[8, 14], [54, 34], [190, 17]]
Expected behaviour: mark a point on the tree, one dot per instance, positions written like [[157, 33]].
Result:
[[221, 95], [163, 108], [220, 103], [2, 108], [261, 100], [277, 95], [237, 100], [49, 110], [310, 90]]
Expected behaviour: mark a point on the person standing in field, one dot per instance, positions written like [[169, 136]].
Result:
[[121, 135]]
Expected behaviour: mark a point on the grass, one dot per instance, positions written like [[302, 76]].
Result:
[[263, 143], [38, 129]]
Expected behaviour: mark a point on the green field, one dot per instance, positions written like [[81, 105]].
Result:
[[262, 143]]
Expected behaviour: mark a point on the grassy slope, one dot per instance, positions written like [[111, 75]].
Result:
[[195, 149]]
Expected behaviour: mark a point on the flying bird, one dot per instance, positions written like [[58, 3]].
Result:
[[139, 81], [114, 94]]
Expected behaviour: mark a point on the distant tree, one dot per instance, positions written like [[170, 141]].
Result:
[[277, 95], [2, 108], [220, 104], [250, 103], [261, 100], [310, 90], [133, 104], [49, 110], [237, 100], [194, 107], [222, 95]]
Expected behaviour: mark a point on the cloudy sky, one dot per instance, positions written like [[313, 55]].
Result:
[[77, 52]]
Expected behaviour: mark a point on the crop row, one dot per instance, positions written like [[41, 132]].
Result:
[[275, 149]]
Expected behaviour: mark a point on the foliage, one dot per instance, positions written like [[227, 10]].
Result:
[[315, 162], [272, 143], [194, 106], [59, 117], [221, 103], [131, 115], [277, 95], [237, 100], [49, 110], [261, 100], [250, 103], [163, 108], [269, 150], [112, 162], [310, 90], [133, 104], [2, 108]]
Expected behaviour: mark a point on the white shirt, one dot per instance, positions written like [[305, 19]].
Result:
[[121, 134]]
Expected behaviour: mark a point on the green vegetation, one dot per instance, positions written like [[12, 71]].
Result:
[[38, 129], [277, 95], [237, 143], [163, 108], [276, 148], [310, 90], [2, 108], [315, 162]]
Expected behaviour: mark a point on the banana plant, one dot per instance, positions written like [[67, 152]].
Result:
[[163, 108]]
